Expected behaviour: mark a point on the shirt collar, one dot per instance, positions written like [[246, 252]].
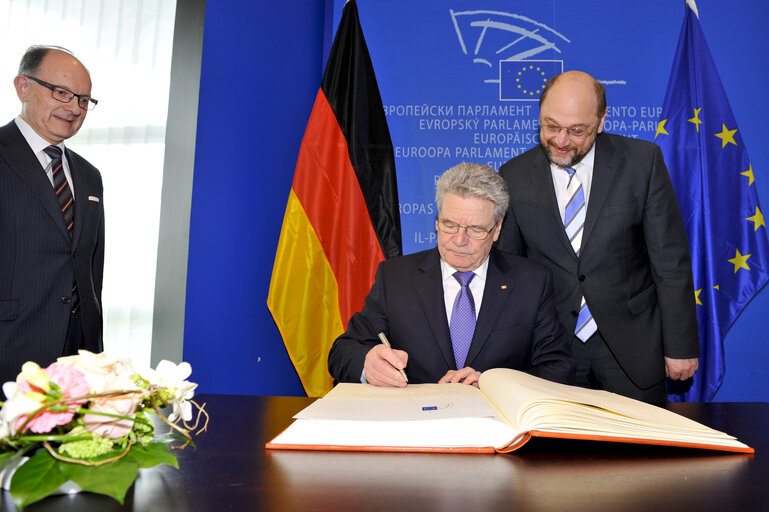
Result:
[[35, 141], [587, 162], [447, 271]]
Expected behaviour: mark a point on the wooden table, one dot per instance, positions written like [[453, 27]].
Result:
[[231, 471]]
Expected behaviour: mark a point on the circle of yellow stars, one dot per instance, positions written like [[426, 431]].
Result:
[[531, 68], [740, 261]]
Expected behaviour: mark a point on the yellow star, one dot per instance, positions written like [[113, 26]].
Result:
[[739, 261], [661, 128], [716, 287], [697, 296], [749, 174], [726, 136], [757, 219], [696, 119]]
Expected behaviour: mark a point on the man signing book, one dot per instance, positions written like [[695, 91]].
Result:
[[456, 310]]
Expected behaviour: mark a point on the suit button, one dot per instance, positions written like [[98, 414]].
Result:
[[66, 300], [581, 277], [574, 314]]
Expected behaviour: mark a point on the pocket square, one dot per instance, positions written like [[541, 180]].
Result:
[[93, 198]]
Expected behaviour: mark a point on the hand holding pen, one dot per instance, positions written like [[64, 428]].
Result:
[[384, 365]]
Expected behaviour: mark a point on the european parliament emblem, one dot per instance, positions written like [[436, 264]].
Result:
[[524, 80]]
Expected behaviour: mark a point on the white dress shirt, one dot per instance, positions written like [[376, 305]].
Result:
[[451, 286], [584, 171], [38, 144]]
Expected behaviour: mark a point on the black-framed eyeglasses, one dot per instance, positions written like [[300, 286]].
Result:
[[64, 95], [475, 232], [575, 132]]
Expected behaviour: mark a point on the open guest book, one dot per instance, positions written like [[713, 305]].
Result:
[[507, 409]]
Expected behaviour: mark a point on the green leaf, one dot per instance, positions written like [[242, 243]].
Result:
[[151, 455], [112, 479], [170, 437], [36, 479], [115, 452]]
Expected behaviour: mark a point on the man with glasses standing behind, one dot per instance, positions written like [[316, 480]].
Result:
[[600, 212], [459, 309], [51, 218]]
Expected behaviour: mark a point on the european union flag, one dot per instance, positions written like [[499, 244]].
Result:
[[525, 79], [714, 183]]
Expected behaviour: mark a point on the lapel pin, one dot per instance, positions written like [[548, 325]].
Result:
[[504, 287]]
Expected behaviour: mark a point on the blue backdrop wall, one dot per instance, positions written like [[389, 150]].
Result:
[[446, 97]]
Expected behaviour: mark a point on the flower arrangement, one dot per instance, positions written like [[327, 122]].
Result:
[[87, 419]]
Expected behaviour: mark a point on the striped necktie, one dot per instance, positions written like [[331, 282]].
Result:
[[462, 323], [574, 223], [61, 186], [66, 203]]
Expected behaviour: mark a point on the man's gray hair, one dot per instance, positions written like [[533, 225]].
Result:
[[33, 57], [474, 180]]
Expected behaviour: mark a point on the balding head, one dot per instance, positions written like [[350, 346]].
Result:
[[42, 72], [580, 83]]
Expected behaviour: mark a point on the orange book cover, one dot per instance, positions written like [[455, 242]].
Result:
[[501, 415]]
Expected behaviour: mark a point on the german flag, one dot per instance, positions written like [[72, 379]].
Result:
[[342, 215]]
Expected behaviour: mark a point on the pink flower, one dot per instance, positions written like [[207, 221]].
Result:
[[107, 426], [71, 382]]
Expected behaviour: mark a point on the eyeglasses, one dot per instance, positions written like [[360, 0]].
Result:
[[576, 132], [64, 95], [475, 232]]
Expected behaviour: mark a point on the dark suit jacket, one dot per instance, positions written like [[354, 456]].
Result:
[[38, 261], [634, 270], [517, 324]]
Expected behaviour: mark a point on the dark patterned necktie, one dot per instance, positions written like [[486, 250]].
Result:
[[61, 186], [66, 203], [462, 323]]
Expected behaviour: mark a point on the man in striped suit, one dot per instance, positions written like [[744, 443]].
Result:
[[51, 218], [600, 212]]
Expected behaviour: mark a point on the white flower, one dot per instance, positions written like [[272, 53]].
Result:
[[103, 372], [173, 378], [17, 405]]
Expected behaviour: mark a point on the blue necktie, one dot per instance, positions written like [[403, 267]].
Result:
[[462, 324], [574, 223]]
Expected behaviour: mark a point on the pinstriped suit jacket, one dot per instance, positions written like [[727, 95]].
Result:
[[634, 268], [39, 262]]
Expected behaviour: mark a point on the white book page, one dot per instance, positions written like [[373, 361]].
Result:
[[531, 403], [364, 402], [434, 433], [419, 415]]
